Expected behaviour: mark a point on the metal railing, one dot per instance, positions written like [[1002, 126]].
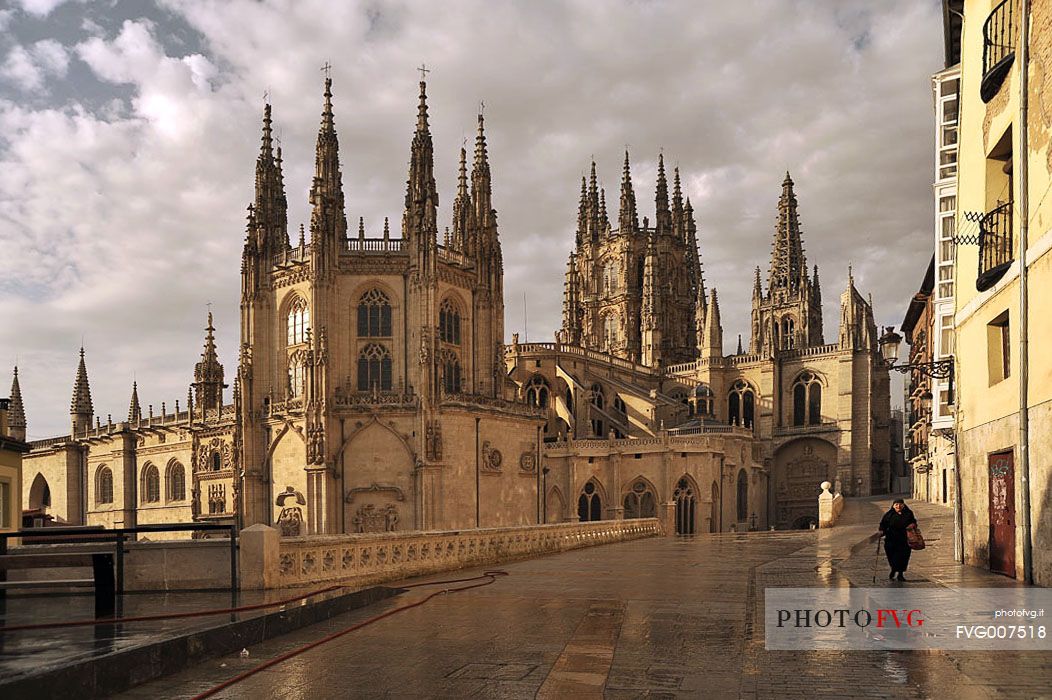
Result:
[[995, 246], [999, 37]]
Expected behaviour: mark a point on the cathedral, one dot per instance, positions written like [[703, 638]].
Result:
[[374, 390]]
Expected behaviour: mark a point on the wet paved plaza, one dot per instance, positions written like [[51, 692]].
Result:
[[657, 618]]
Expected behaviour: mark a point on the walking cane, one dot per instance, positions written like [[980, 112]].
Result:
[[876, 559]]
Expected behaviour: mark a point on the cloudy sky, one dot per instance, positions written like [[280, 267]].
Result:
[[128, 133]]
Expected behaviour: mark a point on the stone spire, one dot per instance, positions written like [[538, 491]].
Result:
[[208, 374], [816, 305], [269, 206], [740, 351], [328, 223], [712, 342], [788, 265], [571, 330], [16, 411], [678, 221], [694, 270], [757, 286], [488, 241], [81, 410], [463, 230], [419, 226], [604, 218], [627, 219], [582, 215], [134, 408], [662, 215], [593, 204]]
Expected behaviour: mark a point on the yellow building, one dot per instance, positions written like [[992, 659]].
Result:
[[1004, 371], [12, 447]]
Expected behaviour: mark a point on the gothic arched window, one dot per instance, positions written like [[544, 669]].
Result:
[[104, 485], [640, 501], [788, 333], [807, 400], [741, 405], [704, 400], [537, 391], [296, 375], [743, 496], [151, 484], [685, 507], [450, 373], [374, 368], [611, 331], [619, 405], [374, 315], [176, 482], [610, 281], [298, 322], [449, 322], [589, 504]]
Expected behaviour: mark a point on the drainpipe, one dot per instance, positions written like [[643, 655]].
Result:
[[1021, 246]]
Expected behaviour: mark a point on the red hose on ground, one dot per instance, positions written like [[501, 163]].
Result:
[[167, 616], [491, 575]]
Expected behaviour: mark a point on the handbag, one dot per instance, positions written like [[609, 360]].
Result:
[[914, 538]]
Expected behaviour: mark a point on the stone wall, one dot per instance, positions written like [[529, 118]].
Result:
[[268, 561]]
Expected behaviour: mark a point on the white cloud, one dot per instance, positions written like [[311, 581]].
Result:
[[40, 8], [124, 221], [29, 68]]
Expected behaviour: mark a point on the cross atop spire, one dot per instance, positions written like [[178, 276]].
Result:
[[424, 70], [327, 70]]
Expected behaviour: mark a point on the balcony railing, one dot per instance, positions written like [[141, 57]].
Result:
[[999, 35], [995, 246]]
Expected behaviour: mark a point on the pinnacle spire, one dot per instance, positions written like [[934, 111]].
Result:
[[628, 220], [462, 214], [328, 222], [421, 196], [788, 264], [208, 373], [269, 208], [712, 345], [16, 412], [481, 184], [604, 219], [134, 408], [81, 408], [677, 202], [662, 215]]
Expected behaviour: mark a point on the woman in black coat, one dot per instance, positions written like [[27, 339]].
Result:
[[893, 526]]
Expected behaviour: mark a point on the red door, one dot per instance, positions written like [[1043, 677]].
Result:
[[1002, 513]]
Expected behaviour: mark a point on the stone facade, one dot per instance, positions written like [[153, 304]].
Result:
[[374, 392], [805, 411], [369, 394]]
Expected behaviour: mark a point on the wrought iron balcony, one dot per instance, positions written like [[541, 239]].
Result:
[[999, 36], [995, 246]]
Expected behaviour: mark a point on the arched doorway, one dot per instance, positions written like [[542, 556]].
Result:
[[800, 467], [685, 507], [715, 517], [590, 503], [640, 501], [39, 493]]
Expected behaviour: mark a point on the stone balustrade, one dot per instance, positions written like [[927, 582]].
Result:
[[269, 561]]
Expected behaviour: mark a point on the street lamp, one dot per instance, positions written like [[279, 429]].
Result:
[[936, 369]]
